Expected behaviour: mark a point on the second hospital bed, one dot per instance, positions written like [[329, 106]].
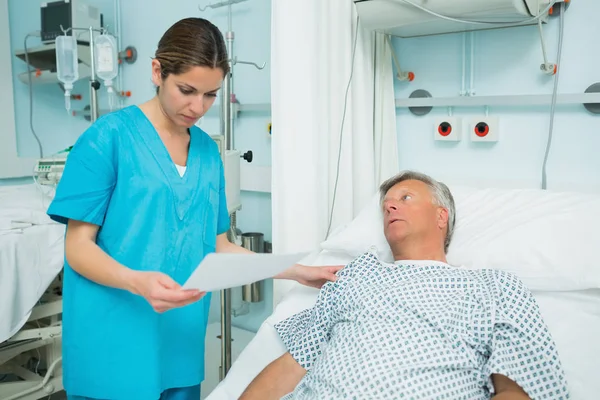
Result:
[[31, 261]]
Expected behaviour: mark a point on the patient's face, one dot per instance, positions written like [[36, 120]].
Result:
[[408, 209]]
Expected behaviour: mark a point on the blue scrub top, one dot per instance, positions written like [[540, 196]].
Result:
[[120, 176]]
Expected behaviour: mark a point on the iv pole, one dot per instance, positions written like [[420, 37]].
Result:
[[227, 119], [94, 84]]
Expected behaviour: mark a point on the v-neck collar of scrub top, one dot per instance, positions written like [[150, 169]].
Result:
[[184, 187]]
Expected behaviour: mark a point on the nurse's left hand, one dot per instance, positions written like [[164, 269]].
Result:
[[314, 276], [162, 292]]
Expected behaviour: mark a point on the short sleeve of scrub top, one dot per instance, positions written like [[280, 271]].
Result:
[[89, 178]]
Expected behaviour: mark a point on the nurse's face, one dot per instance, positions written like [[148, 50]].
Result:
[[186, 97]]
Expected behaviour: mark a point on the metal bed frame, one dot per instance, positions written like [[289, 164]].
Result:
[[31, 361]]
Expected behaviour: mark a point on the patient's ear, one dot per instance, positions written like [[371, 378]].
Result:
[[442, 217]]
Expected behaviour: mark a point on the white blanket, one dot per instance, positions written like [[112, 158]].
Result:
[[14, 219], [31, 254]]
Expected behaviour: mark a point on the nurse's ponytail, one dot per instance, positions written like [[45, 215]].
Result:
[[191, 42]]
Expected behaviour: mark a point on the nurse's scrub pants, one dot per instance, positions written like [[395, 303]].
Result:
[[187, 393]]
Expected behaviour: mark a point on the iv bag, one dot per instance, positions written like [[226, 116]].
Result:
[[66, 59], [107, 63], [67, 69], [106, 57]]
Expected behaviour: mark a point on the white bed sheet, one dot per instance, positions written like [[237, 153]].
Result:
[[572, 317], [31, 254]]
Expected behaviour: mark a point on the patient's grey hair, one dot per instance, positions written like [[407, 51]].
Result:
[[441, 196]]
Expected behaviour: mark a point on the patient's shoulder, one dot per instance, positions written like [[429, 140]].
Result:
[[496, 277], [505, 278], [362, 264], [509, 288], [368, 260]]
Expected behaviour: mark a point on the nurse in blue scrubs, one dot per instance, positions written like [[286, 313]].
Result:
[[143, 197]]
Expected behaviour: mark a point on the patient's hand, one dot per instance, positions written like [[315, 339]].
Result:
[[312, 276]]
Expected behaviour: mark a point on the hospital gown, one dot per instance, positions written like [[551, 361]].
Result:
[[421, 330]]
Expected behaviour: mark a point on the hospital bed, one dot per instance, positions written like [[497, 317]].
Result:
[[31, 262], [548, 239]]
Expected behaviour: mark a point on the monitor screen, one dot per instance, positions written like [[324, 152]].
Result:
[[53, 16]]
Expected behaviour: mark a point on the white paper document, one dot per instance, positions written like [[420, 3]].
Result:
[[223, 271]]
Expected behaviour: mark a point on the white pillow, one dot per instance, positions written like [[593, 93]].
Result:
[[363, 233], [546, 238]]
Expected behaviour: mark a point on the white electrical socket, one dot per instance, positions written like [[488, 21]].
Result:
[[484, 129], [447, 129]]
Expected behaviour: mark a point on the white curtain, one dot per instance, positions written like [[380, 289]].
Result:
[[312, 45]]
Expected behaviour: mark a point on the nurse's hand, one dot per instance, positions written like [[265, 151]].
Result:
[[313, 276], [162, 292]]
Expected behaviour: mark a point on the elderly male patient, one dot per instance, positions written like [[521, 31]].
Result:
[[418, 328]]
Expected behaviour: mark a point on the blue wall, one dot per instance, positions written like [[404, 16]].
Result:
[[507, 62], [57, 130]]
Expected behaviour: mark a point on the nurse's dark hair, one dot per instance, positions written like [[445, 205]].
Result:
[[191, 42]]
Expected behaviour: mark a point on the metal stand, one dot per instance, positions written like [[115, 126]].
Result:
[[94, 84], [227, 118]]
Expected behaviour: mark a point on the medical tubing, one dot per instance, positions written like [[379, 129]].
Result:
[[545, 57], [111, 98], [337, 174], [31, 92], [554, 95], [41, 385], [394, 58], [68, 101]]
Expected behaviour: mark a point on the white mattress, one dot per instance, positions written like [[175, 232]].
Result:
[[31, 253], [573, 319]]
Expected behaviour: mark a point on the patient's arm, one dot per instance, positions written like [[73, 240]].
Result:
[[506, 389], [303, 334], [521, 346], [276, 380]]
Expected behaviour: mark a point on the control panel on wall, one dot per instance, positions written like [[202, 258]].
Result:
[[447, 129], [477, 129], [484, 129]]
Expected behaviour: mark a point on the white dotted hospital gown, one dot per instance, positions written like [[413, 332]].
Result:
[[421, 330]]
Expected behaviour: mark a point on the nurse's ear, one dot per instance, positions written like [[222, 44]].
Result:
[[156, 73]]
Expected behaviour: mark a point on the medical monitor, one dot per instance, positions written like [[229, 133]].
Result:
[[68, 14]]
